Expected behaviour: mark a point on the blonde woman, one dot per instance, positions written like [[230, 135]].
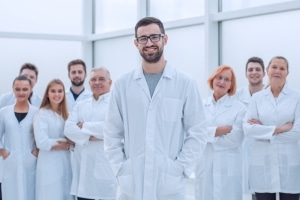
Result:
[[273, 121], [53, 177]]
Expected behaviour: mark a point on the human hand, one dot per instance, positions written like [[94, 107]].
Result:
[[254, 121], [35, 152], [93, 138], [283, 128], [80, 124], [222, 130]]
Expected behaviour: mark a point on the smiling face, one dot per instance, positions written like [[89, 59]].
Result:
[[56, 94], [222, 83], [77, 74], [99, 83], [22, 90], [151, 52], [277, 72], [255, 73]]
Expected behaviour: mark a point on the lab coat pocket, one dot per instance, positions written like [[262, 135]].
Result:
[[125, 178], [9, 166], [172, 180], [172, 109], [30, 161]]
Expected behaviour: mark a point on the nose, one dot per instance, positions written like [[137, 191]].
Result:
[[149, 42]]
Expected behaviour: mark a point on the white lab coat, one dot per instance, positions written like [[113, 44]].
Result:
[[20, 166], [153, 143], [10, 99], [53, 171], [71, 101], [274, 162], [243, 95], [92, 176], [219, 171]]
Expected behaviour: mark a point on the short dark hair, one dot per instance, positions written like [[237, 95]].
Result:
[[76, 62], [31, 67], [22, 78], [256, 60], [147, 21]]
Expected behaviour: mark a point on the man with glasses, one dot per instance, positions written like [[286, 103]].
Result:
[[155, 129], [92, 174]]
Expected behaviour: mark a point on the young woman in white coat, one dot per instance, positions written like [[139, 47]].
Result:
[[18, 147], [53, 173], [273, 120], [219, 171]]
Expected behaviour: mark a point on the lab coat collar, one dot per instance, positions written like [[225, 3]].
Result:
[[168, 72], [226, 100], [285, 90], [102, 97]]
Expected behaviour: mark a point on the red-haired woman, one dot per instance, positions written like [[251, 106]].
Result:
[[219, 171]]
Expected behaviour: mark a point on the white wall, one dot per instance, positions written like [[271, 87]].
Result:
[[51, 58], [263, 36], [118, 55], [185, 51]]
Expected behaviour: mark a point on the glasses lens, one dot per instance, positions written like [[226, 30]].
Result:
[[154, 38], [142, 40]]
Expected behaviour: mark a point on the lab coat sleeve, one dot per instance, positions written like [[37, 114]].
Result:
[[93, 129], [41, 131], [194, 123], [211, 134], [235, 137], [114, 132], [72, 131], [256, 131], [2, 129], [294, 133], [3, 100]]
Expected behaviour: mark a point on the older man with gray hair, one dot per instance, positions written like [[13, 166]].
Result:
[[92, 175]]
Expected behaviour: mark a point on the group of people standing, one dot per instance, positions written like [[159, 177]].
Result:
[[52, 148], [151, 132], [253, 135]]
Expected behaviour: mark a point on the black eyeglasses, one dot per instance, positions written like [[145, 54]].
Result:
[[153, 38]]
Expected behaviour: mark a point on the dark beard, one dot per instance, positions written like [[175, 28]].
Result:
[[154, 58], [77, 84]]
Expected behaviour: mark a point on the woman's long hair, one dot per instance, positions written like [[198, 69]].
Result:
[[62, 108]]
